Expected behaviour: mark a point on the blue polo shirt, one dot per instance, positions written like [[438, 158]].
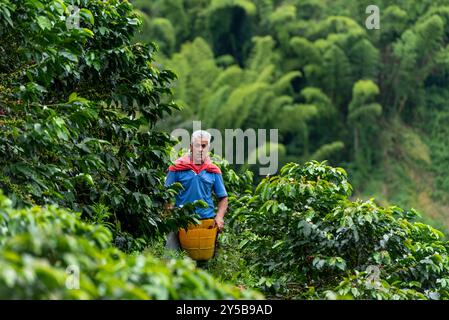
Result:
[[198, 187]]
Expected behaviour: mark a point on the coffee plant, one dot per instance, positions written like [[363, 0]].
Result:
[[306, 238]]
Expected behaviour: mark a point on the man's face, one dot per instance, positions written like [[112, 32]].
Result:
[[200, 149]]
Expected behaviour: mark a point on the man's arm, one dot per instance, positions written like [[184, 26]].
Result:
[[222, 207]]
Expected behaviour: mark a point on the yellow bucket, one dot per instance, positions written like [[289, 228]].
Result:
[[199, 240]]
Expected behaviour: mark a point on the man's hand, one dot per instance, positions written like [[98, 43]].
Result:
[[219, 222], [168, 207], [219, 218]]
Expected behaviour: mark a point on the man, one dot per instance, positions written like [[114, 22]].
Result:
[[198, 176]]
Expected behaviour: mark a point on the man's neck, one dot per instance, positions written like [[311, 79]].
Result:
[[197, 162]]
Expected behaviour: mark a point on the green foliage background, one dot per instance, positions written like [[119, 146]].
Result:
[[85, 116]]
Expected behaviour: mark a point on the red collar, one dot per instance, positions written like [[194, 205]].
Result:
[[185, 163]]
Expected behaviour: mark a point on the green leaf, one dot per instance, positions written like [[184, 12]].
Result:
[[69, 55], [87, 32], [43, 22], [72, 97], [277, 244], [86, 13], [133, 21], [102, 30]]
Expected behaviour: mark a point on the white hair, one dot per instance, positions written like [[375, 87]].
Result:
[[202, 134]]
